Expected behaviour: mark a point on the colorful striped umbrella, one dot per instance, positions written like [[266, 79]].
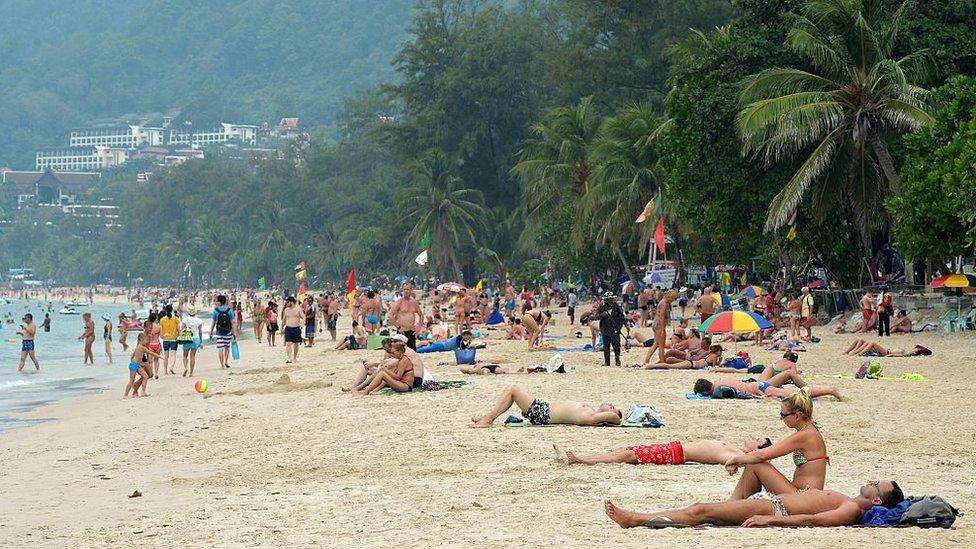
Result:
[[957, 280], [752, 291], [738, 322], [451, 287]]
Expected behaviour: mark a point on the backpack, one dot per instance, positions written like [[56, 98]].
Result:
[[929, 512], [224, 324]]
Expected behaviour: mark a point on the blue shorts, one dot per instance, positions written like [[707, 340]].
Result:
[[170, 345], [27, 346], [223, 341], [333, 320], [510, 305], [371, 319], [309, 331], [190, 345], [134, 366]]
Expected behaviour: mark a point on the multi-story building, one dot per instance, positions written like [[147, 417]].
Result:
[[242, 133], [117, 137], [79, 159]]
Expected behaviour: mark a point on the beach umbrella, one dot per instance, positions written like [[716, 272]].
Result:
[[736, 322], [451, 287], [752, 291], [956, 280]]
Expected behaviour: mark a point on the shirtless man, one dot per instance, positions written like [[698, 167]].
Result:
[[389, 361], [767, 388], [509, 300], [27, 331], [460, 310], [335, 305], [371, 311], [644, 304], [868, 307], [292, 318], [709, 452], [405, 314], [820, 508], [706, 304], [539, 412]]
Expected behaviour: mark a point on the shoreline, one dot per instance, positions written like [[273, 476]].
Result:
[[297, 463]]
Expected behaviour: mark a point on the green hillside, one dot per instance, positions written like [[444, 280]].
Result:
[[64, 64]]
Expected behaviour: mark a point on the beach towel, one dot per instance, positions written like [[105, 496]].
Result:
[[738, 396], [430, 386], [879, 515], [566, 350], [495, 318]]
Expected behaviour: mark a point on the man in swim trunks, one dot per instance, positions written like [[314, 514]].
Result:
[[868, 306], [292, 318], [706, 303], [335, 305], [539, 412], [821, 508], [661, 320], [27, 331], [711, 452], [405, 314]]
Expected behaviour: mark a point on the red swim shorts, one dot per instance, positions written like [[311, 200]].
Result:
[[659, 454], [867, 313]]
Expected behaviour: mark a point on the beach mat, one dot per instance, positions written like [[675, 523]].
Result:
[[626, 424], [696, 396], [443, 385]]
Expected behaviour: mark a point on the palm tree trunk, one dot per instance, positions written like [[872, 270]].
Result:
[[886, 162], [623, 261]]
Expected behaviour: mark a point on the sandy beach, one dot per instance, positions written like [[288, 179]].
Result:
[[275, 455]]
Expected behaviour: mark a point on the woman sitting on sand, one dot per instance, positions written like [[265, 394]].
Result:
[[709, 452], [399, 377], [713, 358], [901, 324], [535, 322], [515, 330], [863, 347], [806, 445]]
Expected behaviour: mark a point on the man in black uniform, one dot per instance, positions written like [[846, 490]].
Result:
[[611, 323]]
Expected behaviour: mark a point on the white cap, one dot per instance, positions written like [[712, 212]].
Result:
[[399, 337]]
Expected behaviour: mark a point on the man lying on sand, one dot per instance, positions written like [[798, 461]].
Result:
[[539, 412], [487, 368], [807, 508], [765, 388], [710, 452]]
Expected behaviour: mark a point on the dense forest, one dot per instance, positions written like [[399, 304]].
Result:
[[68, 64], [514, 137]]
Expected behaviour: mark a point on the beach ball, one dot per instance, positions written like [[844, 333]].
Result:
[[200, 386]]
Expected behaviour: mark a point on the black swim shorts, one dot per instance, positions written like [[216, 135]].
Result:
[[538, 413]]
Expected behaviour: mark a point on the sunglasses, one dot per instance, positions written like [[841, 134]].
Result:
[[784, 416]]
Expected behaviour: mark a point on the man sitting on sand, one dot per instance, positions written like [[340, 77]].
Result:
[[710, 452], [765, 388], [539, 412], [820, 508]]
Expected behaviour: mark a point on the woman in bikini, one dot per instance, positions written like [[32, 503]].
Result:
[[400, 377], [863, 347], [806, 445], [712, 359], [535, 322], [88, 336]]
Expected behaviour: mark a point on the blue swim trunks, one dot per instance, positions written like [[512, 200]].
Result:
[[27, 346], [134, 366], [372, 319], [333, 320], [763, 386]]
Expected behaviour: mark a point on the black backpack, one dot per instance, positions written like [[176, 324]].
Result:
[[929, 512], [224, 324]]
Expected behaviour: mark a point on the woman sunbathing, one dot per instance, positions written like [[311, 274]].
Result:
[[487, 368], [710, 452], [863, 347], [713, 358], [769, 388]]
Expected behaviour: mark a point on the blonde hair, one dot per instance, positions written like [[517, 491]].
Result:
[[800, 401]]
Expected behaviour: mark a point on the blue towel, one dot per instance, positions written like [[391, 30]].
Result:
[[697, 396], [567, 350], [880, 515]]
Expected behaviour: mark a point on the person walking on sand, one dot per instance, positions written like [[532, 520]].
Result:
[[405, 314], [107, 336], [612, 321], [169, 325], [223, 318], [806, 312], [335, 305], [292, 319], [88, 336], [311, 313], [27, 331], [190, 348]]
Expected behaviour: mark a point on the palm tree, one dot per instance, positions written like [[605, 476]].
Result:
[[555, 163], [626, 175], [437, 202], [846, 113]]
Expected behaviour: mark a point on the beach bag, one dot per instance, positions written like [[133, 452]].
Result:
[[224, 324], [645, 414], [465, 356], [185, 336], [736, 362], [929, 512]]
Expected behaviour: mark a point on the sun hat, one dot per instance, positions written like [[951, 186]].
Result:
[[106, 317]]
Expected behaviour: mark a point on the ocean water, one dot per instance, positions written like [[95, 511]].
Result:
[[63, 373]]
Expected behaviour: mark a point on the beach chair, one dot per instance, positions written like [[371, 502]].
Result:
[[948, 320], [969, 321]]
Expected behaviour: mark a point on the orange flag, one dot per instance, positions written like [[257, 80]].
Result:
[[659, 234], [646, 213]]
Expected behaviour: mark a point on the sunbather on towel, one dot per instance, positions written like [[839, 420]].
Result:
[[766, 388], [807, 508], [711, 452], [488, 368], [400, 377], [713, 358], [539, 412], [863, 347]]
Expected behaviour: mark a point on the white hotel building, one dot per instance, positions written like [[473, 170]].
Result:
[[99, 148]]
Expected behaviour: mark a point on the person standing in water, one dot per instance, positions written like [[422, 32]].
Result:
[[123, 331], [27, 331], [47, 322], [88, 336], [107, 336]]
